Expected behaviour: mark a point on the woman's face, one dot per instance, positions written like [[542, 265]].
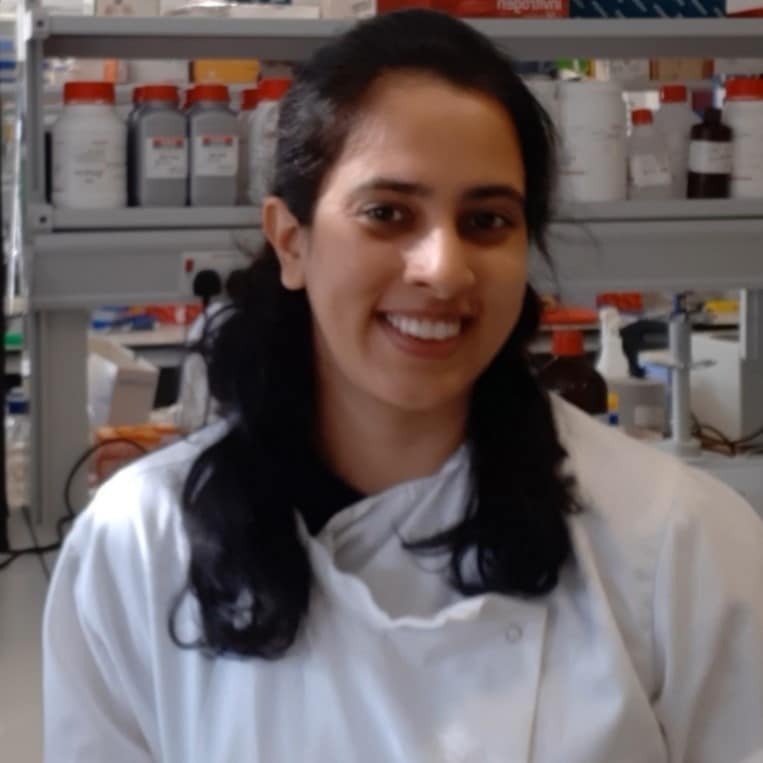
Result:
[[415, 263]]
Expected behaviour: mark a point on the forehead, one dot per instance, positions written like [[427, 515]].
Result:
[[423, 129]]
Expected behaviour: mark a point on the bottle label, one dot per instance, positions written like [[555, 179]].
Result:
[[89, 162], [709, 157], [215, 155], [166, 157], [649, 170]]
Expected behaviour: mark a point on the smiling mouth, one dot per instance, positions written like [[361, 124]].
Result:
[[424, 329]]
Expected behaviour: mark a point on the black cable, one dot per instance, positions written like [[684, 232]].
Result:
[[82, 459]]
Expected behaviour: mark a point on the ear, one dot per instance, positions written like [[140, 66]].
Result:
[[285, 235]]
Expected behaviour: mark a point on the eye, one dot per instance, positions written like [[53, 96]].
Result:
[[487, 222], [387, 214]]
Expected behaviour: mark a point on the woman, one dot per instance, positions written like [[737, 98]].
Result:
[[395, 548]]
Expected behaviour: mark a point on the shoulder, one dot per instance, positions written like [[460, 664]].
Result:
[[638, 489], [134, 521], [653, 532]]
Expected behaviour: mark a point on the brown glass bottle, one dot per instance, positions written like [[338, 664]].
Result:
[[570, 375], [709, 158]]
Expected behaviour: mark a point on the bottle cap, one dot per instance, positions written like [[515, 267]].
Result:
[[743, 88], [160, 93], [567, 343], [641, 117], [273, 89], [673, 94], [208, 93], [89, 91], [249, 98]]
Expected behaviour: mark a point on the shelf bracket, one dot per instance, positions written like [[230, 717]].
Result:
[[37, 24], [40, 218]]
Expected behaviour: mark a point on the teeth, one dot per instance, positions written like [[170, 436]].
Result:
[[423, 329]]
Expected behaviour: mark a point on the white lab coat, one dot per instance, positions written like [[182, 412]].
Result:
[[650, 650]]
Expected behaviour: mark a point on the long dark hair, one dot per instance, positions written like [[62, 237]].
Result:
[[248, 569]]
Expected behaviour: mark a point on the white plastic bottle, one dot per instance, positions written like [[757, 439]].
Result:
[[612, 363], [743, 113], [674, 120], [648, 165], [249, 100], [263, 137], [17, 433], [89, 149], [592, 123]]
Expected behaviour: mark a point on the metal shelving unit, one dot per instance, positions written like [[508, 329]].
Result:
[[79, 260]]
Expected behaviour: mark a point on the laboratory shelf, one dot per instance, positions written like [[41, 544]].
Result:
[[654, 246], [157, 218], [662, 209], [173, 37]]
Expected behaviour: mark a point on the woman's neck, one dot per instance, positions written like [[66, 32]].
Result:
[[372, 445]]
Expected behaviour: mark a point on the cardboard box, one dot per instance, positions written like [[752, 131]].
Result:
[[228, 71], [647, 8], [121, 386], [486, 8], [744, 7], [680, 69]]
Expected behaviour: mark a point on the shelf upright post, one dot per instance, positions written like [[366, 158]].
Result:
[[57, 339]]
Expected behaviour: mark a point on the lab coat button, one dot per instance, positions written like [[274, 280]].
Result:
[[514, 634]]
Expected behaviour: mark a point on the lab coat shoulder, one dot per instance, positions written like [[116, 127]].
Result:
[[121, 566], [680, 558]]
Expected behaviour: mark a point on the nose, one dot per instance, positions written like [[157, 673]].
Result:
[[439, 261]]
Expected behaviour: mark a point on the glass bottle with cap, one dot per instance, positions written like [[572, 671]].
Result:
[[571, 376], [648, 164], [213, 133], [675, 119], [161, 149], [710, 158]]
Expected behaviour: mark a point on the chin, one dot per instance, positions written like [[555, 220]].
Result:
[[422, 398]]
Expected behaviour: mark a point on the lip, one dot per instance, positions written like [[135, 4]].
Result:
[[431, 349]]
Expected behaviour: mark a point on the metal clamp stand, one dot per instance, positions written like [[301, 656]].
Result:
[[681, 443]]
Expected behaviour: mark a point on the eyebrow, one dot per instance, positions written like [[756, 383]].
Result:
[[418, 189]]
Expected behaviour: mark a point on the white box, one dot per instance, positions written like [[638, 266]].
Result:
[[121, 386], [169, 71], [727, 395], [348, 9]]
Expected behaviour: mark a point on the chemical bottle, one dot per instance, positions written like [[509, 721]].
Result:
[[710, 158], [612, 363], [743, 113], [89, 149], [137, 102], [213, 132], [674, 120], [263, 137], [592, 128], [648, 165], [17, 433], [249, 99], [161, 149], [570, 375]]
